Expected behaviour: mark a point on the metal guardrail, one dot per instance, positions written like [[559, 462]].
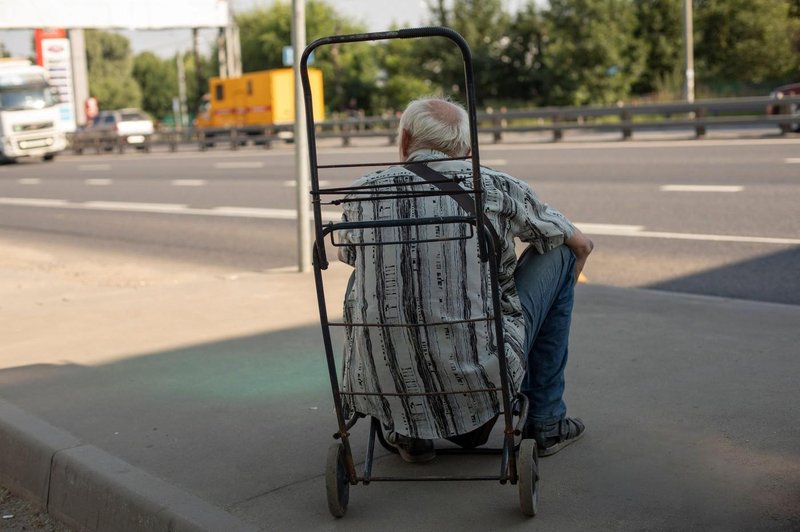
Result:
[[782, 113]]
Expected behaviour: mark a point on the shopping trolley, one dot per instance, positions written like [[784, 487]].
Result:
[[518, 456]]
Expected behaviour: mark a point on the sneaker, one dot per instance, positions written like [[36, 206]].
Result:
[[413, 450], [552, 437]]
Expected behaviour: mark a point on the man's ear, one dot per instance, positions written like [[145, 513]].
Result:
[[405, 142]]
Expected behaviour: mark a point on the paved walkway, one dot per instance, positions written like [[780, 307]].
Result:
[[158, 396]]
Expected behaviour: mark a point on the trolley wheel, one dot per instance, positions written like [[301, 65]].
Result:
[[528, 483], [337, 485]]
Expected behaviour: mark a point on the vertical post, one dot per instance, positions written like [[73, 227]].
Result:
[[688, 49], [181, 91], [80, 75], [301, 140], [198, 74], [222, 54]]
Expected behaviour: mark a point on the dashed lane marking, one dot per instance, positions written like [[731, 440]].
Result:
[[94, 167], [238, 165], [701, 188], [494, 162], [188, 182], [634, 231], [293, 183], [97, 182], [793, 160], [29, 181], [637, 231]]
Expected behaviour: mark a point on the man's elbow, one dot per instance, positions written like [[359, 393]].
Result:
[[580, 245]]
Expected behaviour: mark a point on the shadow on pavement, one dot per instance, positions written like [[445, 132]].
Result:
[[772, 278], [690, 403]]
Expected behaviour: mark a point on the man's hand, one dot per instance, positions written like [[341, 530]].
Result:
[[581, 246]]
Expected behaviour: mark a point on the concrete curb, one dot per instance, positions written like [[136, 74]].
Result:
[[91, 490]]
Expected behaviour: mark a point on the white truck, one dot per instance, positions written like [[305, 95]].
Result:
[[28, 112]]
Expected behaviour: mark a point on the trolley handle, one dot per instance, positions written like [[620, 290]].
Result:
[[409, 33]]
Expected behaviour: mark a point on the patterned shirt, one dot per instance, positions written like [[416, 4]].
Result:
[[433, 284]]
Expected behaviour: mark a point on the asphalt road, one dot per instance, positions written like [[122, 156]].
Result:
[[717, 217]]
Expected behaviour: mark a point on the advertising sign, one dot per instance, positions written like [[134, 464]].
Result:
[[57, 60]]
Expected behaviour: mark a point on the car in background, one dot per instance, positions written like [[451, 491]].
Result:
[[123, 126], [785, 91]]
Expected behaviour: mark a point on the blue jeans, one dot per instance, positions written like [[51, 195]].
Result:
[[546, 287]]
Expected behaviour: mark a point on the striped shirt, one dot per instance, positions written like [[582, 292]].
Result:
[[433, 284]]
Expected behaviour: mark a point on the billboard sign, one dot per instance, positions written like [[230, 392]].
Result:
[[56, 58]]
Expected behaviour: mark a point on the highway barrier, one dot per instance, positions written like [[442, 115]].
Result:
[[781, 113]]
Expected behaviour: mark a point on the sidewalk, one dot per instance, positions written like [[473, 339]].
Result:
[[172, 396]]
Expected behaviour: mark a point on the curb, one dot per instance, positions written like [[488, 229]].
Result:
[[91, 490]]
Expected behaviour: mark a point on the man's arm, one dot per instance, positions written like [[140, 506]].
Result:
[[581, 246]]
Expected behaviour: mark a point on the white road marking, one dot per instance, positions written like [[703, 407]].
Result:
[[232, 165], [29, 181], [188, 182], [636, 231], [164, 208], [701, 188], [494, 162], [293, 183], [94, 167], [97, 182], [33, 202], [793, 160]]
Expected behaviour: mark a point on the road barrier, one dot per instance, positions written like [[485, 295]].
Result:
[[781, 113]]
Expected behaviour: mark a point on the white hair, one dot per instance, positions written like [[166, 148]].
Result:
[[436, 124]]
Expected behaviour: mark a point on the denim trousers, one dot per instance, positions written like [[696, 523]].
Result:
[[546, 288]]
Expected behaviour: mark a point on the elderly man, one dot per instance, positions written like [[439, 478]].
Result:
[[428, 285]]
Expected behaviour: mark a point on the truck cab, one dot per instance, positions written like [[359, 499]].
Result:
[[28, 113]]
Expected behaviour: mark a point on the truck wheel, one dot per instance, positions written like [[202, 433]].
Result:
[[49, 157]]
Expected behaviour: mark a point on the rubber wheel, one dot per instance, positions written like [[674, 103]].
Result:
[[528, 483], [337, 486]]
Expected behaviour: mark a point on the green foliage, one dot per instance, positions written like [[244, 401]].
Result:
[[110, 66], [349, 71], [157, 79], [402, 78], [3, 51], [485, 25], [748, 41], [591, 55], [660, 30]]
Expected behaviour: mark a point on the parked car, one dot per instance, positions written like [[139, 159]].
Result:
[[129, 126]]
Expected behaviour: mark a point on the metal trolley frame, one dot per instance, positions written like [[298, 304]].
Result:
[[519, 463]]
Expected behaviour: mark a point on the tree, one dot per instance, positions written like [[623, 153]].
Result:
[[3, 51], [659, 26], [484, 24], [349, 70], [747, 41], [519, 72], [108, 58], [157, 79], [591, 54]]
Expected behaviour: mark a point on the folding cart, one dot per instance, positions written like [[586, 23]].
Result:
[[518, 457]]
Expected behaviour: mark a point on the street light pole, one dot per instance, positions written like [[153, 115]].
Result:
[[688, 48], [301, 140]]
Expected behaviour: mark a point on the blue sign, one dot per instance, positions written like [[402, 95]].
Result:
[[288, 56]]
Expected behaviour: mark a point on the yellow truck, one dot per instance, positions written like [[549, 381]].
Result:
[[255, 103]]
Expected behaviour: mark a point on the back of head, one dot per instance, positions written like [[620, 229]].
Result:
[[436, 124]]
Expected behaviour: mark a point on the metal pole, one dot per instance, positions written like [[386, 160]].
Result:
[[80, 75], [301, 140], [182, 91], [198, 73], [688, 48]]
